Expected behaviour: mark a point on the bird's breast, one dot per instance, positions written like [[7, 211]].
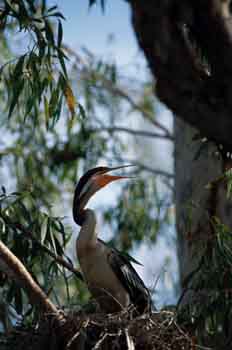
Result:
[[99, 275]]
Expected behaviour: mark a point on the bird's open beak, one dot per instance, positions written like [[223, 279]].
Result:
[[104, 179]]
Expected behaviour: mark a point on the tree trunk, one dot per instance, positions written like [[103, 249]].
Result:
[[188, 47], [197, 202], [194, 202]]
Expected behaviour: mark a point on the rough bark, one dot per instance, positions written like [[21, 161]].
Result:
[[188, 46]]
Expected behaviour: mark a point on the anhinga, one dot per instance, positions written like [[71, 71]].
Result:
[[110, 277]]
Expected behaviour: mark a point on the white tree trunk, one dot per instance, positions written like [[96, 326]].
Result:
[[195, 203]]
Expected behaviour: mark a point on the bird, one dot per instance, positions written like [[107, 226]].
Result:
[[110, 277]]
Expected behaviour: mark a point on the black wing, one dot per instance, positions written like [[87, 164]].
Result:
[[139, 294]]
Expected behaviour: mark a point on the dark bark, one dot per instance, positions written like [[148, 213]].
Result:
[[177, 38]]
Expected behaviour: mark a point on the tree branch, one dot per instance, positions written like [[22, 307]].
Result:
[[143, 133], [15, 270], [86, 73], [171, 34], [67, 154], [146, 115], [154, 171]]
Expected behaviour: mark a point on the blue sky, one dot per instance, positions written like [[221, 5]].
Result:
[[91, 28]]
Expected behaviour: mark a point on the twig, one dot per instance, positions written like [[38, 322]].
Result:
[[100, 341], [74, 337], [129, 340]]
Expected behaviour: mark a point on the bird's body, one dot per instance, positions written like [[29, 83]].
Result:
[[94, 256], [110, 277]]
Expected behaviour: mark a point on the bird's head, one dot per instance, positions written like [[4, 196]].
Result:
[[91, 182]]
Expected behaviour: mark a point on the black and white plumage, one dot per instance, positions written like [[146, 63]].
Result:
[[111, 278]]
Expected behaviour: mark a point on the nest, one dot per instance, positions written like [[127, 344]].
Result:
[[81, 331]]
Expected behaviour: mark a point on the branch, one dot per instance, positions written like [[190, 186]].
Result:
[[200, 96], [15, 270], [143, 133], [159, 172], [146, 115], [65, 155], [116, 90], [154, 171]]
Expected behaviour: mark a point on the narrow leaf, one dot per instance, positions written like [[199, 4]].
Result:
[[82, 111], [16, 93], [19, 67], [62, 62], [52, 8], [59, 14], [60, 34], [49, 33]]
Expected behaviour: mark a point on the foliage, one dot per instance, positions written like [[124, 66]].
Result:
[[33, 79], [209, 314], [102, 3], [139, 214], [29, 232]]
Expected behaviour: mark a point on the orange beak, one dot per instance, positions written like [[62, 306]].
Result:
[[104, 179]]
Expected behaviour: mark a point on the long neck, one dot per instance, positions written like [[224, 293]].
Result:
[[88, 235]]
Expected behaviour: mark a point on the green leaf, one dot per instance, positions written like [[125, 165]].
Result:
[[24, 211], [52, 8], [18, 87], [44, 229], [18, 300], [29, 104], [43, 6], [10, 294], [46, 111], [103, 5], [41, 41], [31, 6], [19, 68], [92, 2], [62, 62], [60, 34], [49, 33], [82, 111], [53, 103], [59, 14], [59, 249]]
